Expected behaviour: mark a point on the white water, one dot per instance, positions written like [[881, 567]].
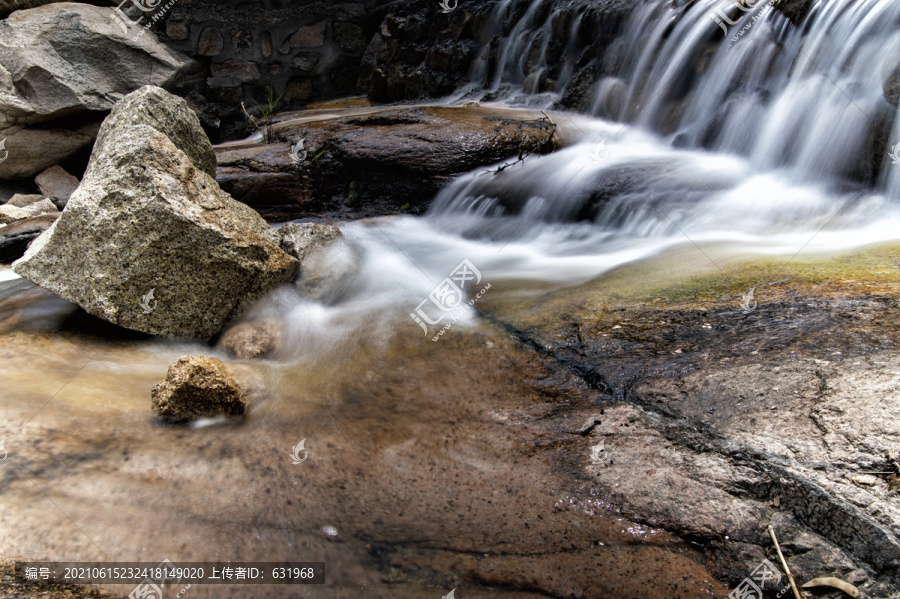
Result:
[[810, 96], [769, 135], [803, 97], [680, 198]]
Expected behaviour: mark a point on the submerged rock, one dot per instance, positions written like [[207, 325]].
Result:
[[253, 339], [325, 257], [71, 61], [149, 241], [892, 86], [197, 387]]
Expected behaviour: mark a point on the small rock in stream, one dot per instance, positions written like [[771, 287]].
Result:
[[300, 239], [197, 387], [253, 339]]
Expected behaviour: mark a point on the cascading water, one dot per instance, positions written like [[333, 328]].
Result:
[[726, 75], [810, 98], [770, 140]]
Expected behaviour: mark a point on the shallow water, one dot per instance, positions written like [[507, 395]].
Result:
[[413, 446]]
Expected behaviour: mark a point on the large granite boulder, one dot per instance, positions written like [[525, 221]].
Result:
[[168, 114], [72, 61], [149, 241]]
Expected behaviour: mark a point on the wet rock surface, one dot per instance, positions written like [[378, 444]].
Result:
[[377, 163], [726, 418], [591, 442], [469, 481], [197, 387]]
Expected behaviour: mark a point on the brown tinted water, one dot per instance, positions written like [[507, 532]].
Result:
[[441, 465]]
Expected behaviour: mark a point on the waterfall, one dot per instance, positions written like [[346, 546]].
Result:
[[732, 131], [733, 76], [719, 122], [745, 80]]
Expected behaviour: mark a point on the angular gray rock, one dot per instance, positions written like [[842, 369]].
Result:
[[148, 241], [168, 114], [10, 212], [20, 200], [197, 387], [70, 60], [55, 182], [300, 239]]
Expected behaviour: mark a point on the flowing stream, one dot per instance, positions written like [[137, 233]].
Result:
[[721, 149]]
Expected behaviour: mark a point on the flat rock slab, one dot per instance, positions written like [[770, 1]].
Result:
[[726, 418], [378, 162]]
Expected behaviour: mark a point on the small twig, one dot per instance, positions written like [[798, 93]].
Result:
[[249, 116], [540, 144], [784, 563]]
